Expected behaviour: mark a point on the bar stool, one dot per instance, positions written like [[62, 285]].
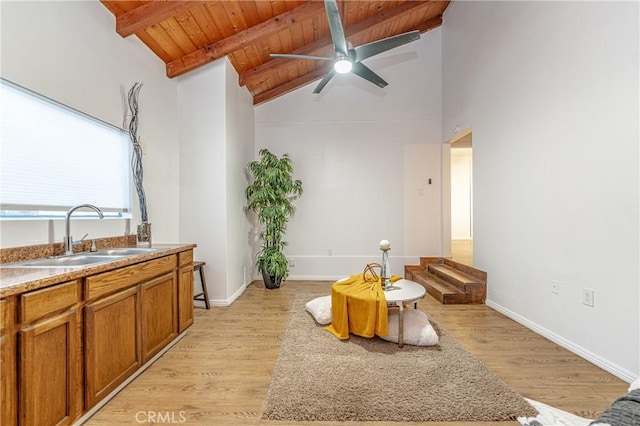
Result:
[[197, 267]]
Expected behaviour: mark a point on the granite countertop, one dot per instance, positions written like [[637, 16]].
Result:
[[19, 280]]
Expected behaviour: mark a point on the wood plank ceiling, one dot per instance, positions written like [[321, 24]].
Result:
[[187, 34]]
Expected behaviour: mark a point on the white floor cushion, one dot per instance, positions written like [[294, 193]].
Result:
[[320, 309], [418, 331], [551, 416]]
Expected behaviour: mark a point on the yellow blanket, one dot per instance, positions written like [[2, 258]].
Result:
[[359, 307]]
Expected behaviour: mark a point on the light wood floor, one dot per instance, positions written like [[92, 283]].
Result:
[[219, 373]]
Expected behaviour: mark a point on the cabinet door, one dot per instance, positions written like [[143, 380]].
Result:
[[159, 314], [8, 380], [48, 370], [8, 366], [185, 298], [112, 343]]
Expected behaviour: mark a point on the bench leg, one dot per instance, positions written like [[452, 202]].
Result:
[[204, 288]]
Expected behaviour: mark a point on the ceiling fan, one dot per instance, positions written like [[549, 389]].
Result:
[[348, 58]]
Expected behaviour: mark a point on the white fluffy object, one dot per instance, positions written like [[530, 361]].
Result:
[[320, 309], [551, 416], [418, 331]]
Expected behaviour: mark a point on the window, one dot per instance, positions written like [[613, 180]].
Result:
[[53, 157]]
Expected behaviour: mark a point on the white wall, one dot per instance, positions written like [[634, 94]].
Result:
[[551, 92], [364, 156], [240, 147], [216, 142], [76, 58], [203, 200]]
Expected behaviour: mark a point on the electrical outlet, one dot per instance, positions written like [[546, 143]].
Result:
[[555, 287], [292, 263], [587, 297]]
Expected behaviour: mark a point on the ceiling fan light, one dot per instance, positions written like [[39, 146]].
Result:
[[343, 66]]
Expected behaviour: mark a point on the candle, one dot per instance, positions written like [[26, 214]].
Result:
[[385, 245]]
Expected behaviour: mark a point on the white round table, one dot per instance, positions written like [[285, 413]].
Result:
[[401, 292]]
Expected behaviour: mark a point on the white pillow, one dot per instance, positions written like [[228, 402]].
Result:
[[320, 309], [418, 331]]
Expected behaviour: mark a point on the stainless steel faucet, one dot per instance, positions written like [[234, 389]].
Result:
[[68, 239]]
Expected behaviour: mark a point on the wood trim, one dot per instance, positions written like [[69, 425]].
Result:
[[289, 86], [240, 39], [149, 14]]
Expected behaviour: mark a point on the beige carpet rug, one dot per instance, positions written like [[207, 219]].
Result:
[[318, 377]]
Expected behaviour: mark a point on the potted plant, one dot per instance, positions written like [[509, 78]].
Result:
[[270, 195]]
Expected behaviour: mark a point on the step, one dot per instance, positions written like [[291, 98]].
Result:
[[442, 291], [453, 276], [469, 270], [410, 269]]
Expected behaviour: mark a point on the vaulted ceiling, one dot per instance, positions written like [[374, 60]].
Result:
[[187, 34]]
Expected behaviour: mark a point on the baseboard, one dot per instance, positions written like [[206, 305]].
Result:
[[229, 300], [597, 360]]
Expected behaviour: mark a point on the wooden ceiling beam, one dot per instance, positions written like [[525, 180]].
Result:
[[289, 86], [237, 41], [150, 14], [256, 73], [428, 25]]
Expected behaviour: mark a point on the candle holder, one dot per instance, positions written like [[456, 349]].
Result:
[[385, 278], [144, 234]]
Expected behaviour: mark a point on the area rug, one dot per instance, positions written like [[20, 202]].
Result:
[[318, 377]]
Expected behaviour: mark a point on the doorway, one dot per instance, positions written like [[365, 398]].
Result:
[[462, 198]]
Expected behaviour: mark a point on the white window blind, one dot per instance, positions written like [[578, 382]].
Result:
[[53, 157]]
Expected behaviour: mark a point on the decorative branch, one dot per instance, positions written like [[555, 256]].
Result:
[[136, 158]]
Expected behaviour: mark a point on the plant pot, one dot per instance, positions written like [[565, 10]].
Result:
[[270, 282]]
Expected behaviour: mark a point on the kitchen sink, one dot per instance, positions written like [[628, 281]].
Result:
[[125, 251], [71, 261]]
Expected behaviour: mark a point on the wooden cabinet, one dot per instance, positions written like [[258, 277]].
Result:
[[112, 343], [48, 365], [185, 290], [8, 366], [159, 314], [64, 348], [124, 330]]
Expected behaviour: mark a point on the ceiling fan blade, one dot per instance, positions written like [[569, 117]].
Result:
[[367, 50], [328, 76], [293, 56], [365, 72], [335, 26]]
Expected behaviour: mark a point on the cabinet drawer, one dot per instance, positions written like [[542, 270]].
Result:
[[39, 303], [185, 258], [7, 314], [108, 282]]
